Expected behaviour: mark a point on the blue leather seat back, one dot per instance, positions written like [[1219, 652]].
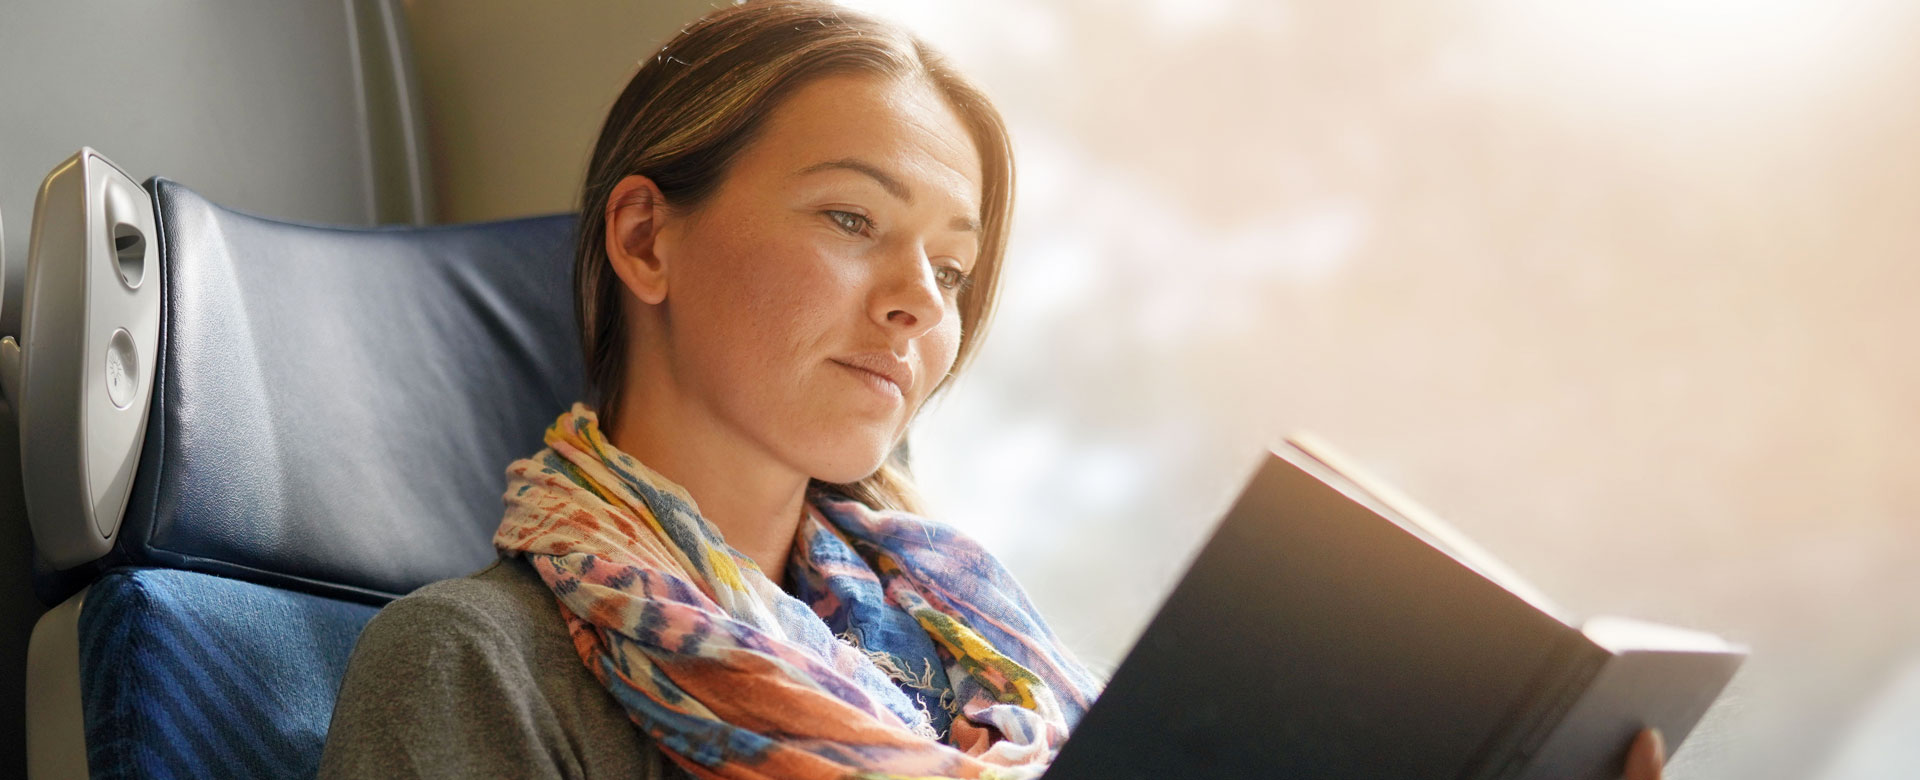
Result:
[[335, 409], [193, 675], [332, 416]]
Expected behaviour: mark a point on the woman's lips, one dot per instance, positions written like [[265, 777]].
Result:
[[882, 372], [893, 370]]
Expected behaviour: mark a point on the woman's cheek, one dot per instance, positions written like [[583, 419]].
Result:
[[945, 348]]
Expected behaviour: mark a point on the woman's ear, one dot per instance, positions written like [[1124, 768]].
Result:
[[634, 217]]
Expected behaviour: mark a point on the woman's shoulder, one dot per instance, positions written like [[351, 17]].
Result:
[[504, 605], [477, 676], [506, 590]]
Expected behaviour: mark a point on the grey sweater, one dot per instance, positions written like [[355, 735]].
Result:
[[476, 678]]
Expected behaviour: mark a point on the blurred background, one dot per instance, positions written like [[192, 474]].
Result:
[[1619, 289]]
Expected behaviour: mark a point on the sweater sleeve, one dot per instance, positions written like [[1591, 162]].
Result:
[[455, 687], [429, 693]]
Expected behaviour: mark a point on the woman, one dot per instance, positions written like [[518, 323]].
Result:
[[792, 228]]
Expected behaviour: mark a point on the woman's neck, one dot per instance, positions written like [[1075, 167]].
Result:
[[754, 500]]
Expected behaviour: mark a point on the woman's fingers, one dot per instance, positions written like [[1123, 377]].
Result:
[[1647, 756]]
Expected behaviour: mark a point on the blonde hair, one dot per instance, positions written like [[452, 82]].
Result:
[[701, 99]]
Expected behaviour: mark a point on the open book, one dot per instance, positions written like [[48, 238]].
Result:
[[1332, 629]]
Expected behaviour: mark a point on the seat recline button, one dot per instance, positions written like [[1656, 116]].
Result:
[[123, 370]]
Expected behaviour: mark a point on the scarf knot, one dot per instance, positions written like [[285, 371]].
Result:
[[905, 651]]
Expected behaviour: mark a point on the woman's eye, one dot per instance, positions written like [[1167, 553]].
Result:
[[850, 222], [949, 278]]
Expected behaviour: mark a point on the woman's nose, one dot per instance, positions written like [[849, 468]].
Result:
[[909, 301]]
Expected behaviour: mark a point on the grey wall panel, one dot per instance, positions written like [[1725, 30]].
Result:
[[261, 106], [514, 93]]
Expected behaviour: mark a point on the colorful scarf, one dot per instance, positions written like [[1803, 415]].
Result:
[[908, 653]]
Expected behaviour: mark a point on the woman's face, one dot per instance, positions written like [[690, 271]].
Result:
[[811, 301]]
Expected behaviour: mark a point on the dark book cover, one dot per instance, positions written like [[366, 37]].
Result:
[[1329, 629]]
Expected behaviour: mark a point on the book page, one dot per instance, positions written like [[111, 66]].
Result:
[[1621, 635], [1423, 523]]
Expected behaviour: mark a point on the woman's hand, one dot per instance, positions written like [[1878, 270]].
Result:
[[1646, 757]]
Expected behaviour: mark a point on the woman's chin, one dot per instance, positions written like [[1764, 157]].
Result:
[[848, 469], [845, 477]]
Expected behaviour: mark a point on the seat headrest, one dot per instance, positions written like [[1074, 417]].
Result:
[[334, 409]]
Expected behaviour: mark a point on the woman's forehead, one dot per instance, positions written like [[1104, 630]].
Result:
[[903, 130]]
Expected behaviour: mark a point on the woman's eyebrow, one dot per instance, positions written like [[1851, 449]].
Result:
[[887, 182]]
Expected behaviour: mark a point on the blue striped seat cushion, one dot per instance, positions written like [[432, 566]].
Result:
[[193, 675]]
